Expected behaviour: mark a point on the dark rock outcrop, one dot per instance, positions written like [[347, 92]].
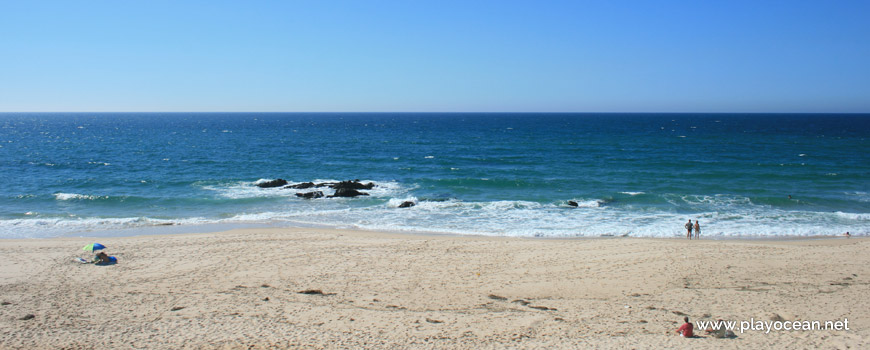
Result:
[[348, 188], [310, 195], [573, 204], [302, 186], [352, 185], [346, 192], [273, 183], [407, 204]]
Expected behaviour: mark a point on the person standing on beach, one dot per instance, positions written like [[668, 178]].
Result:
[[689, 229], [697, 230]]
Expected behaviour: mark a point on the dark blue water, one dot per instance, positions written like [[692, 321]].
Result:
[[492, 174]]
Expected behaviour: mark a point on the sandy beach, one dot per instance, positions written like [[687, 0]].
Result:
[[316, 288]]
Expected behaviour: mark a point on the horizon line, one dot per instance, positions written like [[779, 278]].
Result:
[[423, 112]]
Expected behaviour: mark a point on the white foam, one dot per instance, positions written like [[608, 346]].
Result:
[[243, 189], [41, 227], [262, 181], [507, 218], [632, 193], [76, 196], [388, 189], [724, 202], [396, 202], [854, 216], [593, 203], [720, 216], [862, 196], [504, 218]]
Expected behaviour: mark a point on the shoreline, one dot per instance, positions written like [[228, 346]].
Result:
[[179, 229], [331, 288]]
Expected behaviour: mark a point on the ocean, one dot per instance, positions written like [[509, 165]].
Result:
[[495, 174]]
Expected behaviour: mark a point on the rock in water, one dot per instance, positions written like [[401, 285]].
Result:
[[346, 192], [353, 185], [407, 204], [302, 186], [310, 195], [273, 183]]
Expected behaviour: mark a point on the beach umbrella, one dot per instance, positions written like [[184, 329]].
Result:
[[94, 247]]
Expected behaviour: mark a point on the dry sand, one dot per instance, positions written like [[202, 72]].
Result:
[[241, 289]]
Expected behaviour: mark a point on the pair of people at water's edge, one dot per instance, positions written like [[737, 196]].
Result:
[[690, 227]]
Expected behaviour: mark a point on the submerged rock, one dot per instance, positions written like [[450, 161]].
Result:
[[302, 186], [407, 204], [310, 195]]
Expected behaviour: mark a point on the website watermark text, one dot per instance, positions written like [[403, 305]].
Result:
[[768, 326]]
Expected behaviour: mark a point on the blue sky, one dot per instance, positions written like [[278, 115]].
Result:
[[438, 56]]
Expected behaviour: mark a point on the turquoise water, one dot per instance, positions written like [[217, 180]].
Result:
[[489, 174]]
